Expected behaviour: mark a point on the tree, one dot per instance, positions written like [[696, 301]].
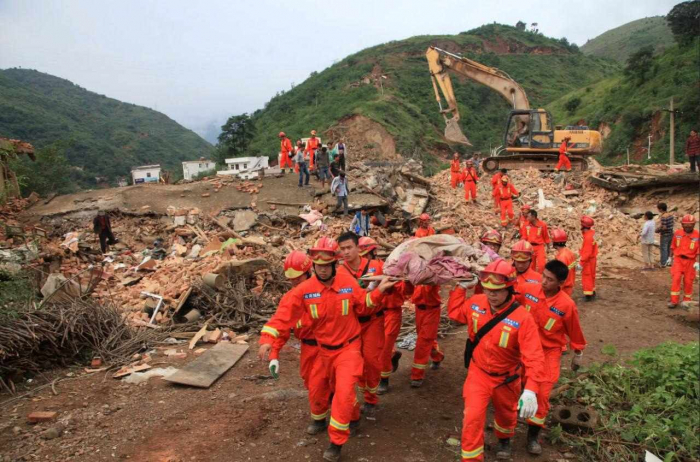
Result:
[[235, 137], [50, 173], [639, 64], [684, 21], [520, 25], [572, 105]]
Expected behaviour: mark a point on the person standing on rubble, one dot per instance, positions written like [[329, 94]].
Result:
[[502, 335], [332, 300], [536, 233], [665, 230], [312, 144], [685, 246], [522, 254], [559, 324], [495, 184], [564, 162], [588, 257], [427, 301], [470, 178], [455, 171], [339, 188], [297, 269], [523, 218], [565, 256], [342, 154], [506, 192], [692, 150], [360, 223], [303, 168], [286, 153], [322, 165], [102, 226], [372, 326], [647, 241]]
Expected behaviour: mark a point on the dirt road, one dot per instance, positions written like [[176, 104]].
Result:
[[157, 422]]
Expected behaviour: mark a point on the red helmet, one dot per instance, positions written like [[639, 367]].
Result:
[[282, 134], [587, 222], [498, 275], [492, 236], [505, 179], [325, 251], [296, 264], [424, 217], [559, 235], [688, 219], [367, 244], [525, 208], [521, 251]]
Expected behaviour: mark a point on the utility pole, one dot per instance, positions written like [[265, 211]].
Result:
[[628, 155], [649, 148], [673, 138]]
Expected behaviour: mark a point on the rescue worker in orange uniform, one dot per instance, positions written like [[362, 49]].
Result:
[[505, 193], [685, 245], [424, 228], [332, 301], [312, 144], [286, 153], [536, 233], [372, 326], [565, 256], [588, 258], [494, 363], [521, 253], [491, 242], [495, 184], [428, 302], [523, 218], [564, 162], [455, 171], [557, 323], [297, 269], [470, 178]]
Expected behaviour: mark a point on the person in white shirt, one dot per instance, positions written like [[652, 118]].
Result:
[[647, 238], [339, 187]]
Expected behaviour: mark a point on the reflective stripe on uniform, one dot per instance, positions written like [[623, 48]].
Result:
[[271, 331], [550, 324], [503, 341], [314, 310], [536, 420], [573, 265], [588, 292], [340, 426], [386, 374], [368, 299], [503, 430], [346, 307], [472, 454], [419, 366], [319, 416]]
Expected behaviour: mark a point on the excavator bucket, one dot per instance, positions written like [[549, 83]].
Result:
[[454, 133]]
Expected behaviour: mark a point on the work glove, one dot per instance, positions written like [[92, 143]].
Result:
[[527, 405], [275, 368], [579, 268], [461, 185], [372, 285], [576, 361], [696, 266], [469, 284]]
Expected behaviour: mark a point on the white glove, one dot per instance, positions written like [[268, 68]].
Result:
[[469, 284], [372, 285], [696, 266], [579, 268], [275, 368], [461, 185], [527, 405]]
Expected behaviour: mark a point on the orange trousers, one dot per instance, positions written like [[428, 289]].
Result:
[[372, 338], [455, 179], [588, 276], [506, 210], [682, 269], [285, 161], [552, 365], [309, 353], [392, 327], [470, 191], [496, 201], [427, 323], [336, 371], [539, 258], [563, 164], [479, 389]]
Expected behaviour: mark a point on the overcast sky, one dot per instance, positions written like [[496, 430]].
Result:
[[200, 62]]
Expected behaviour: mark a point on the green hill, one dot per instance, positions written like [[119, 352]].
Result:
[[404, 103], [107, 137], [621, 42], [627, 112]]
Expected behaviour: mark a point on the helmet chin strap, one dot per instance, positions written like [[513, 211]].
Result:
[[329, 277]]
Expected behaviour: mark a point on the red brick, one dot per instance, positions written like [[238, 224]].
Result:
[[41, 416]]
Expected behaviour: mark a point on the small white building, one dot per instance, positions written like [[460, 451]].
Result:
[[146, 174], [244, 167], [192, 168]]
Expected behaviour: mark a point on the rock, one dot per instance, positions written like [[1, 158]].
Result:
[[16, 430], [206, 195], [96, 363], [243, 220], [453, 442], [194, 253], [53, 432], [279, 395]]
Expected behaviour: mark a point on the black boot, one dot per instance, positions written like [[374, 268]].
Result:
[[503, 451], [368, 409], [354, 428], [395, 360], [316, 427], [416, 383], [332, 453], [435, 365], [533, 446], [383, 387]]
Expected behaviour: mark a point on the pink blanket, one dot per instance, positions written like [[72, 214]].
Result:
[[439, 270]]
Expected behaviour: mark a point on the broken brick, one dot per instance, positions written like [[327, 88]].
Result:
[[41, 416]]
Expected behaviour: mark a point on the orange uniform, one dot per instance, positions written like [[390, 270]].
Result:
[[312, 145], [427, 301], [589, 258], [557, 322], [685, 252], [495, 183], [538, 236], [302, 331], [470, 177], [425, 232], [393, 310], [285, 153], [333, 312], [505, 200], [372, 336], [567, 257], [564, 162], [530, 276], [497, 358], [455, 173]]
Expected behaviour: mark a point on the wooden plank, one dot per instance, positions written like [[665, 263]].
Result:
[[203, 371]]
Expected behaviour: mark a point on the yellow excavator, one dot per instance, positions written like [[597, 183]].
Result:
[[530, 139]]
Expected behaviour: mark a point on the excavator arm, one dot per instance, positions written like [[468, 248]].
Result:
[[441, 61]]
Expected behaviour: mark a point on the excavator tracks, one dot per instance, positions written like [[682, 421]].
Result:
[[543, 162]]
